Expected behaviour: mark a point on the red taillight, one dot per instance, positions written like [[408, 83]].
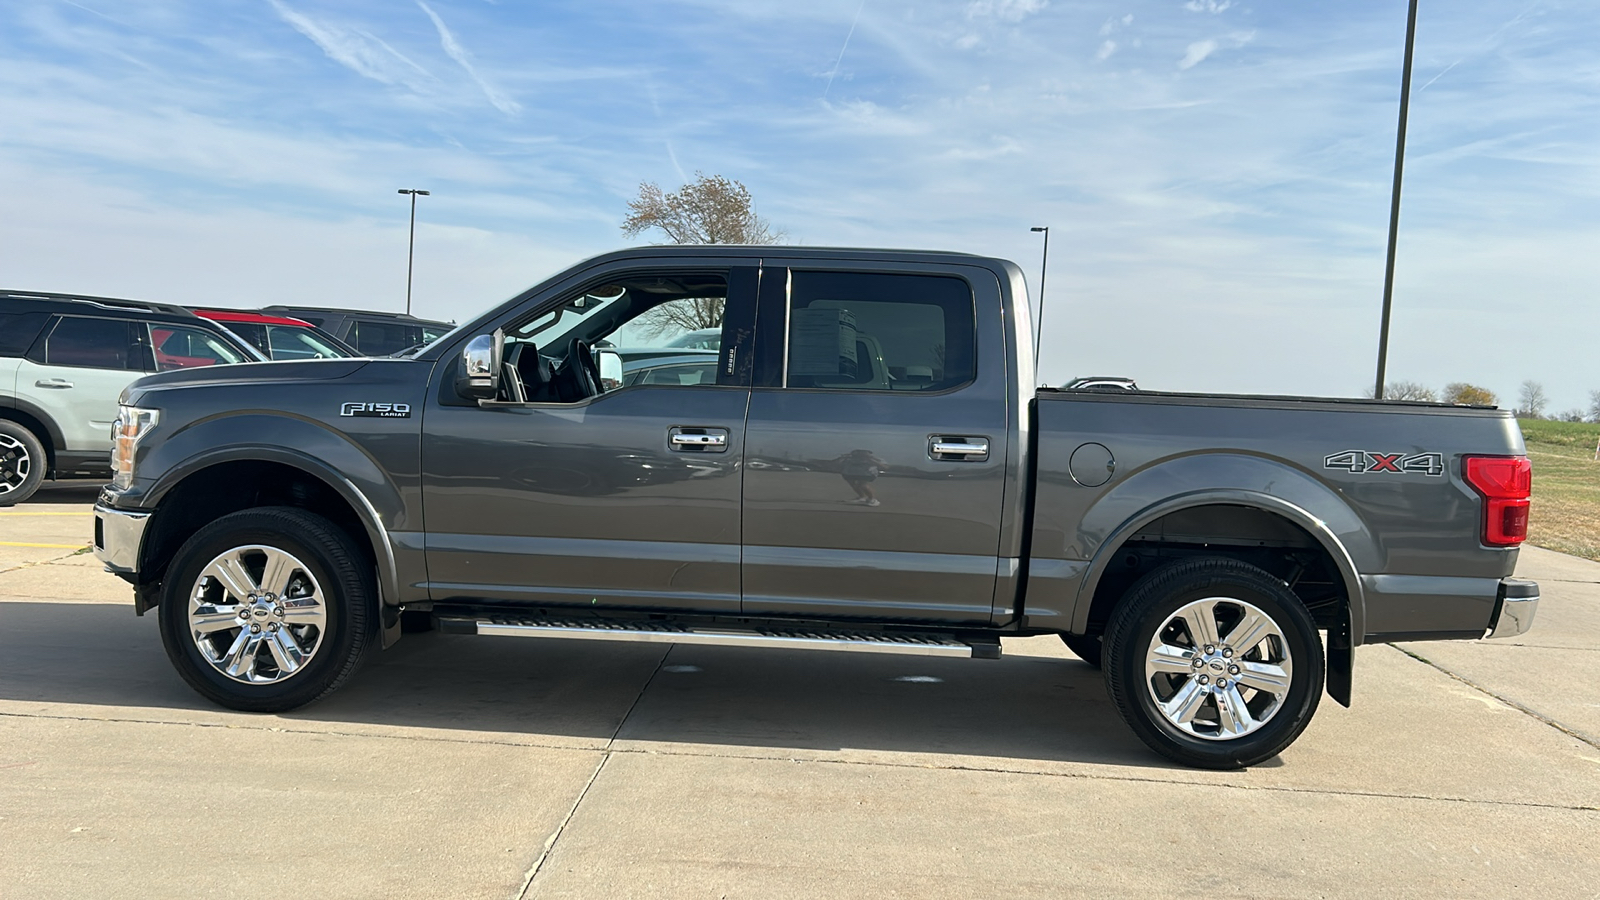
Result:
[[1505, 483]]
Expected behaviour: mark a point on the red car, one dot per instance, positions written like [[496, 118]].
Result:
[[280, 337]]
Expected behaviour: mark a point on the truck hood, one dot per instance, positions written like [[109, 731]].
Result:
[[255, 373]]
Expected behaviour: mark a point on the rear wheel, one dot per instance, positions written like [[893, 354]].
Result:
[[268, 609], [22, 463], [1214, 663]]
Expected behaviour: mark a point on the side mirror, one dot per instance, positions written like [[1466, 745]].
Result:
[[610, 369], [480, 367]]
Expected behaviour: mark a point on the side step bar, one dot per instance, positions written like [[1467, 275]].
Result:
[[907, 643]]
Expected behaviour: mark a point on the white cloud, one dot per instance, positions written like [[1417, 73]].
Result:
[[355, 49], [1208, 6], [455, 51], [1200, 50], [1007, 10], [1106, 49]]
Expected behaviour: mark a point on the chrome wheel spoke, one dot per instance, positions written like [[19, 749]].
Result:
[[241, 657], [235, 578], [1170, 659], [1200, 618], [1233, 716], [275, 574], [1252, 629], [1264, 677], [1185, 703], [285, 651], [306, 610], [206, 618]]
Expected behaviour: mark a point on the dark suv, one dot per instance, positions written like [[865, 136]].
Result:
[[373, 333], [64, 359]]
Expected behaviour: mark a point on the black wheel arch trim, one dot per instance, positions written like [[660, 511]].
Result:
[[53, 440], [377, 532]]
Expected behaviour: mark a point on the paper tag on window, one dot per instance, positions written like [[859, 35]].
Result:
[[821, 341]]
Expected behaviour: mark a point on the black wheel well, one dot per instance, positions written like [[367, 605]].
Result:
[[1250, 534], [215, 491], [38, 428]]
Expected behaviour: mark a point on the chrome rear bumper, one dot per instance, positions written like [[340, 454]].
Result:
[[1514, 609]]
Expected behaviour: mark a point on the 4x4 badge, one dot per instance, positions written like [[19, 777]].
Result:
[[1371, 461], [376, 410]]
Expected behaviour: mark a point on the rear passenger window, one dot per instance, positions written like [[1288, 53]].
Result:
[[879, 332], [89, 343], [383, 338], [18, 330]]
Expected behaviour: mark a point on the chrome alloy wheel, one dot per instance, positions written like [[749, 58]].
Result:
[[16, 464], [1218, 669], [257, 614]]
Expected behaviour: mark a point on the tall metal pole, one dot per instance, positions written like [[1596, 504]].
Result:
[[411, 242], [1044, 266], [1394, 201]]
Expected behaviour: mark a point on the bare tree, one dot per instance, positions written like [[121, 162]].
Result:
[[1571, 415], [1594, 406], [1407, 390], [711, 209], [1469, 394], [1531, 400]]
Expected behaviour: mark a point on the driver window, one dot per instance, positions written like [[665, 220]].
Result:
[[645, 321]]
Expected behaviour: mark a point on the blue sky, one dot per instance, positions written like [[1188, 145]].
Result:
[[1215, 174]]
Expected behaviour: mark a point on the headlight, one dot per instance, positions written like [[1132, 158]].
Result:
[[132, 424]]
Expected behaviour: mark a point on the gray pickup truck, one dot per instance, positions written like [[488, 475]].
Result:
[[866, 467]]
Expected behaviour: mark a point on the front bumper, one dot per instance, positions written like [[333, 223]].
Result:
[[1514, 608], [118, 535]]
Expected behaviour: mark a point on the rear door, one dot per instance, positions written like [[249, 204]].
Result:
[[875, 447], [77, 373]]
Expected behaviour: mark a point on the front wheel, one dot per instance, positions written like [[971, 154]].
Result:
[[265, 610], [1214, 663]]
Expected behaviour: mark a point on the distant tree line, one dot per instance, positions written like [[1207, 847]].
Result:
[[1531, 399]]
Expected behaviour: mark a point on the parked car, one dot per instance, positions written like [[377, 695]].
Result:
[[371, 332], [870, 469], [65, 358], [699, 368], [280, 337]]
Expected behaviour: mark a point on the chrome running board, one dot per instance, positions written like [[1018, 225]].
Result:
[[906, 643]]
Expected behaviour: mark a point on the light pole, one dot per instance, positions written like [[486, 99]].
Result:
[[1044, 265], [1394, 200], [411, 243]]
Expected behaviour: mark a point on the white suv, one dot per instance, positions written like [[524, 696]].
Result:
[[64, 360]]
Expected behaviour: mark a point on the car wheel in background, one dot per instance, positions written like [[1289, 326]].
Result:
[[22, 463]]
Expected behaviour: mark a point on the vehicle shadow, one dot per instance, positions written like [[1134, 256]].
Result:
[[583, 693], [66, 491]]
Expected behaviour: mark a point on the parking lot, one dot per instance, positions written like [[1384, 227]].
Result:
[[495, 767]]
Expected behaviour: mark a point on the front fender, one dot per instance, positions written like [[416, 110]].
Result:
[[1235, 479], [304, 444]]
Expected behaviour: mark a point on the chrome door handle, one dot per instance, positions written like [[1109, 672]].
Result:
[[702, 440], [52, 383], [975, 449]]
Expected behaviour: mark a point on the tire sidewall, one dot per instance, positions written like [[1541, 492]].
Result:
[[344, 591], [1157, 600], [36, 462]]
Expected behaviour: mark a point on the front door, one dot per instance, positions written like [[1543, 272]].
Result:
[[613, 495], [875, 449]]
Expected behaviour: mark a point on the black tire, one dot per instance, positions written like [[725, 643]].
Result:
[[327, 558], [1087, 647], [1276, 717], [22, 463]]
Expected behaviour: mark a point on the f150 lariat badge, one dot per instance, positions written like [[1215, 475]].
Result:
[[376, 410], [1371, 462]]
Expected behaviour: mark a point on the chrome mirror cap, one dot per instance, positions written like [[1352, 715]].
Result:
[[480, 367]]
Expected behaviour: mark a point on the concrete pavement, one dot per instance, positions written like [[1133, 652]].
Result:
[[496, 767]]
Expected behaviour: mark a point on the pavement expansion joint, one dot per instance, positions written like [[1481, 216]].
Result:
[[1519, 707]]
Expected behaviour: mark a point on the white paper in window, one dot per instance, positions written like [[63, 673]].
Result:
[[820, 340]]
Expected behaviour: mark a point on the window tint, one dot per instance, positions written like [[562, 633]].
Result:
[[294, 342], [875, 332], [383, 338], [89, 343], [254, 333], [18, 330], [178, 347]]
